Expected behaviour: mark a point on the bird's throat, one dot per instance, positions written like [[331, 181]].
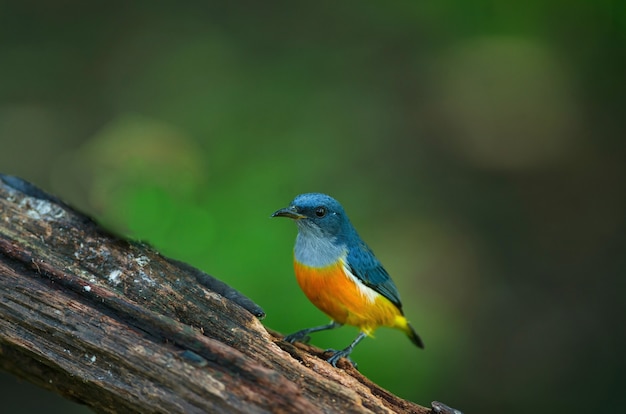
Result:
[[316, 251]]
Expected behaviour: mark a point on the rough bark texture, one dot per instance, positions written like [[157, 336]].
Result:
[[113, 324]]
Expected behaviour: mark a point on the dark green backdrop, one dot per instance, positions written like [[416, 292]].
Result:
[[477, 146]]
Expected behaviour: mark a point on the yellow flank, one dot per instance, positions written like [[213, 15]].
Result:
[[337, 295]]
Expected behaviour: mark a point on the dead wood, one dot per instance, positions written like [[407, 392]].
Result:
[[112, 324]]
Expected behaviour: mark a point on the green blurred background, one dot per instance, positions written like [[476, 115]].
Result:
[[478, 148]]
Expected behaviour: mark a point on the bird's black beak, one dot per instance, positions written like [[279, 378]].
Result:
[[289, 212]]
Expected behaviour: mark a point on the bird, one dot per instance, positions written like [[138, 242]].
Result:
[[340, 274]]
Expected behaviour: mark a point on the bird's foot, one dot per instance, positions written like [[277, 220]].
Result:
[[344, 353], [300, 336]]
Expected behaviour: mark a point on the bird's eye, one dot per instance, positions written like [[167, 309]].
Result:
[[320, 212]]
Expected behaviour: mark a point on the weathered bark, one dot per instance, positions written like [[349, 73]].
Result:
[[114, 325]]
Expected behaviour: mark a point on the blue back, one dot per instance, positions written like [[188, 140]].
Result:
[[371, 272]]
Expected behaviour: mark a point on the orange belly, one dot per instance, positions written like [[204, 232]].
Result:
[[338, 296]]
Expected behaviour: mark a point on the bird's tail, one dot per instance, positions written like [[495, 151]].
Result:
[[406, 327], [413, 336]]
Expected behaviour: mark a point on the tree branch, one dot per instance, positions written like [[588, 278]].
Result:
[[113, 324]]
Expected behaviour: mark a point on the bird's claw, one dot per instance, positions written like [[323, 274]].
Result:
[[299, 336], [340, 354]]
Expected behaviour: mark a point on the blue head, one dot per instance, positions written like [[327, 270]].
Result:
[[319, 215], [324, 230]]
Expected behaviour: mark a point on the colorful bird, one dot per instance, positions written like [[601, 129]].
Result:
[[339, 273]]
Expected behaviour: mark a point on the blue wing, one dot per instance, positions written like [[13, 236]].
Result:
[[364, 265]]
